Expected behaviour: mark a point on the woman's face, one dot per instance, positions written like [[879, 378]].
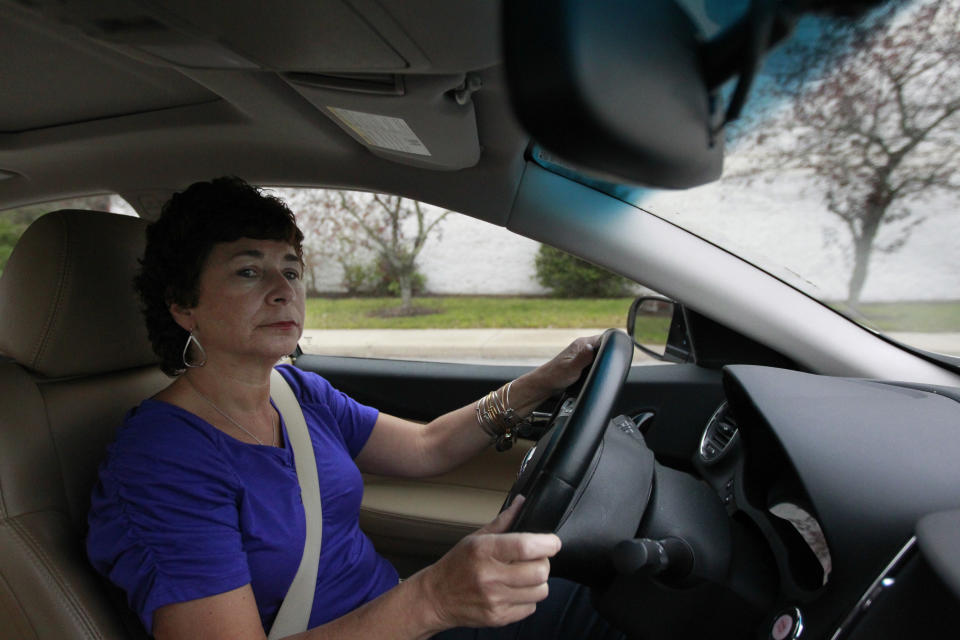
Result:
[[250, 303]]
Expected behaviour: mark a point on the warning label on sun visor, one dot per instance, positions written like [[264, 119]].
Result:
[[382, 131]]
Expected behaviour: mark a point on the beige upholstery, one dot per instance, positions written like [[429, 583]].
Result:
[[66, 298], [76, 359]]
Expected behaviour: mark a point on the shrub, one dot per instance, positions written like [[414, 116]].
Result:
[[358, 277], [9, 234], [377, 278], [570, 277]]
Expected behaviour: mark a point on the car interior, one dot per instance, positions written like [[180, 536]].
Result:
[[663, 481]]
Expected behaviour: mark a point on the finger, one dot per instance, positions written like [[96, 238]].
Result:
[[584, 358], [580, 355], [503, 521], [529, 595], [581, 350], [590, 345], [530, 573], [514, 547]]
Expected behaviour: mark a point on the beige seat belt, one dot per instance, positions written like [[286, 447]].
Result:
[[294, 614]]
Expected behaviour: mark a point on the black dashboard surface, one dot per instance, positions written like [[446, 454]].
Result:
[[872, 457]]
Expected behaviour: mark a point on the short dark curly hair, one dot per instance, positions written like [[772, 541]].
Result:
[[179, 242]]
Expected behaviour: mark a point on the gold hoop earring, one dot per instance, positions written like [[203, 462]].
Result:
[[186, 353]]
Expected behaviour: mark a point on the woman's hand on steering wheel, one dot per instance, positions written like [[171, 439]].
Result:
[[568, 366], [490, 578]]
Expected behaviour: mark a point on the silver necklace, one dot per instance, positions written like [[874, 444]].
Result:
[[232, 421]]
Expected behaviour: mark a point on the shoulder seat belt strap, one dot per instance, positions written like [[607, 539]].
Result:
[[294, 614]]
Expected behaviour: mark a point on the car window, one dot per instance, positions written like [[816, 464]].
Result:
[[389, 277], [841, 176], [13, 222]]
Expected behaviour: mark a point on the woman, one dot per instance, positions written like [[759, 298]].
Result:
[[197, 513]]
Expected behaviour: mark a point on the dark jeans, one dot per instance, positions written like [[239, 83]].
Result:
[[566, 614]]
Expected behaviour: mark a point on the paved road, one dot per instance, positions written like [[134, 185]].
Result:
[[522, 346]]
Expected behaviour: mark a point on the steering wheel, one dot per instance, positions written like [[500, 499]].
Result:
[[553, 470]]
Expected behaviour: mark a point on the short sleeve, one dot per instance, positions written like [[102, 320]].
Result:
[[354, 420], [164, 522]]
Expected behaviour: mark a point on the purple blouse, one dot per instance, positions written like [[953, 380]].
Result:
[[183, 511]]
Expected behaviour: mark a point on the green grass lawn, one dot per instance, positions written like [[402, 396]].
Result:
[[478, 312], [468, 312], [927, 317]]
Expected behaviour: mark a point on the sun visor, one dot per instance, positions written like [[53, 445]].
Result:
[[422, 121]]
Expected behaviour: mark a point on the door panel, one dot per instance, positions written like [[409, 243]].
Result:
[[413, 522], [410, 389]]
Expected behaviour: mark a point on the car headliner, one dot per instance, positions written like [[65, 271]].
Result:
[[142, 99], [90, 106]]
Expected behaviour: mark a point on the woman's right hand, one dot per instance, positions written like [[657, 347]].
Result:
[[490, 578]]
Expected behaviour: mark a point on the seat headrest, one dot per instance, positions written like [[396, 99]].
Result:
[[67, 304]]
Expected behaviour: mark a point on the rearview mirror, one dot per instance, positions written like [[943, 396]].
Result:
[[614, 89], [631, 91], [658, 327]]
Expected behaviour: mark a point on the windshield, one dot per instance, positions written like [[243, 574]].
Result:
[[841, 175]]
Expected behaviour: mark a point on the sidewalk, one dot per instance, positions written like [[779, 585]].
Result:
[[477, 344], [513, 345]]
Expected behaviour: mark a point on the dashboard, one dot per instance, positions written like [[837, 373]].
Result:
[[797, 515], [870, 459], [835, 474]]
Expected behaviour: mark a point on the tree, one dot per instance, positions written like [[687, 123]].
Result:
[[349, 226], [324, 241], [384, 223], [872, 115]]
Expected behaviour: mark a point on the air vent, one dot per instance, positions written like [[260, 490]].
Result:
[[718, 436]]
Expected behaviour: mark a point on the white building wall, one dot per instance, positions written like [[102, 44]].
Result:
[[467, 257], [783, 224], [785, 227], [476, 257]]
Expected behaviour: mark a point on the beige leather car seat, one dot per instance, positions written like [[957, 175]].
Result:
[[75, 358]]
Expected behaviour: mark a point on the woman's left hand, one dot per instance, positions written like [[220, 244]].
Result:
[[564, 369]]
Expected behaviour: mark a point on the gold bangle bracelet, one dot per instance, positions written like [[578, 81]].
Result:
[[496, 417]]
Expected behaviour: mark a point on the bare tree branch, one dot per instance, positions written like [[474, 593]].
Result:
[[353, 228], [874, 117]]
